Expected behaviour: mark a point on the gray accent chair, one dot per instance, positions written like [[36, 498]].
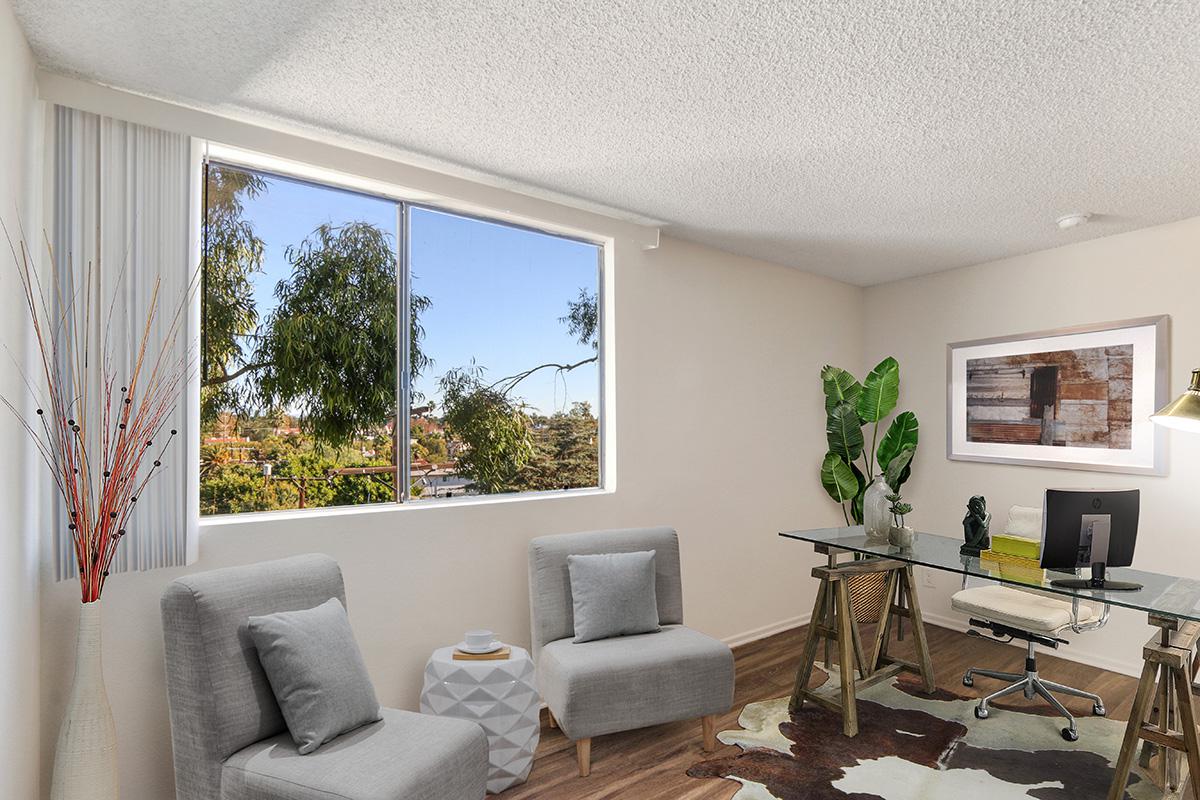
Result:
[[229, 737], [626, 682]]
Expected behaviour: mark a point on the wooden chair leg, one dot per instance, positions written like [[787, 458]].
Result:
[[583, 753], [550, 717], [709, 725]]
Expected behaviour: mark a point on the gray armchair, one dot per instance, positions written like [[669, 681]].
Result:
[[626, 682], [230, 741]]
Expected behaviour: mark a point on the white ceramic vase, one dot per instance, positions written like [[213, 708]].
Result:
[[85, 759], [902, 536], [877, 520]]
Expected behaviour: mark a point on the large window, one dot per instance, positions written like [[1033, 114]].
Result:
[[328, 315]]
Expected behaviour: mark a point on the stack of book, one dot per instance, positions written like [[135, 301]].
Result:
[[1014, 558]]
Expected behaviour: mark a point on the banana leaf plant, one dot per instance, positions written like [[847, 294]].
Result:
[[850, 465]]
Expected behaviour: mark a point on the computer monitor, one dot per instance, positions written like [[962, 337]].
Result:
[[1094, 528]]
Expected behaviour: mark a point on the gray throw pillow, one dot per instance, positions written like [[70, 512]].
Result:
[[613, 595], [316, 672]]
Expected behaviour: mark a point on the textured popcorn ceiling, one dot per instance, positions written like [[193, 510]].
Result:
[[863, 140]]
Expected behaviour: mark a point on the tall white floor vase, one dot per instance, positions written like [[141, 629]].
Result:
[[85, 761]]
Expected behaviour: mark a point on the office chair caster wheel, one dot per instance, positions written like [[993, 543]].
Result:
[[1099, 710], [1070, 735], [981, 713], [968, 680]]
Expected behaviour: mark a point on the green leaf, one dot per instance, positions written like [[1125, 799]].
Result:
[[856, 506], [900, 434], [838, 478], [840, 387], [880, 391], [843, 432], [899, 468]]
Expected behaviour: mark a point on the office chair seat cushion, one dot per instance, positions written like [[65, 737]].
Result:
[[1027, 611]]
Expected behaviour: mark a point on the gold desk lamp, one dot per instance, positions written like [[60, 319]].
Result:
[[1183, 412]]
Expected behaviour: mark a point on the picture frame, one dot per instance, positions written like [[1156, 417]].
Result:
[[1070, 398]]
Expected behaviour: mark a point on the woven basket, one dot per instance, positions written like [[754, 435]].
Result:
[[866, 595]]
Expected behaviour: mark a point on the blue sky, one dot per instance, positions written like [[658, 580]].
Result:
[[497, 291]]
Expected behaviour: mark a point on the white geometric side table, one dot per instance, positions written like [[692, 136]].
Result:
[[500, 696]]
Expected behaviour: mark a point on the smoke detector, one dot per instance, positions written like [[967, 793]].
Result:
[[1072, 220]]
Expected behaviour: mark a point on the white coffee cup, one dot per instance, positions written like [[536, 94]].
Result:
[[477, 640]]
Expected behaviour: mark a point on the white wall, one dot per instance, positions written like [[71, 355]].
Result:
[[19, 175], [1143, 273], [717, 359]]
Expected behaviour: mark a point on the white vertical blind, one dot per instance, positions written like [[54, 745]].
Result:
[[124, 198]]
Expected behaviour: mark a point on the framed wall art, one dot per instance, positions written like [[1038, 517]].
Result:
[[1074, 398]]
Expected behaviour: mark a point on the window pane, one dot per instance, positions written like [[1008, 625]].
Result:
[[507, 399], [299, 346]]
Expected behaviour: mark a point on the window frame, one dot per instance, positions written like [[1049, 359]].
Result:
[[406, 200]]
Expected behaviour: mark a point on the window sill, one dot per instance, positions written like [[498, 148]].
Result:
[[216, 521]]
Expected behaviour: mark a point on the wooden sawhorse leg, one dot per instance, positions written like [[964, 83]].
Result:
[[842, 633], [833, 622], [1167, 673], [901, 602], [811, 643]]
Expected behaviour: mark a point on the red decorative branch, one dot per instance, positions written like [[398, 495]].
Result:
[[98, 443]]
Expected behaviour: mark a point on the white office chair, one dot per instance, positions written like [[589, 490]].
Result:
[[1036, 618]]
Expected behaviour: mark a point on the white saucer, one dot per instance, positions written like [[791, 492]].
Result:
[[478, 651]]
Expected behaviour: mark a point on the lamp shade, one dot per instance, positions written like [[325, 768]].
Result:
[[1184, 411]]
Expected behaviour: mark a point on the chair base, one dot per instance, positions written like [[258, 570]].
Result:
[[1033, 686]]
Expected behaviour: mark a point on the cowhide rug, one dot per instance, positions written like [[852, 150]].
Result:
[[913, 746]]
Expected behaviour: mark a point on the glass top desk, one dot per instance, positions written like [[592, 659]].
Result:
[[1160, 595], [1172, 605]]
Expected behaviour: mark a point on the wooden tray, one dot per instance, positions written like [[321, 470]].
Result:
[[503, 654]]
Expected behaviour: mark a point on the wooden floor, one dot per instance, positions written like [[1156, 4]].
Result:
[[652, 763]]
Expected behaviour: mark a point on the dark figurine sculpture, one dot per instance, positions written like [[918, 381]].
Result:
[[975, 527]]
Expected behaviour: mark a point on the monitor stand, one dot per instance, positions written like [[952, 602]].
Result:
[[1097, 581]]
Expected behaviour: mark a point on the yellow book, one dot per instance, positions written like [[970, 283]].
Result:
[[1010, 545], [1023, 570], [1008, 558]]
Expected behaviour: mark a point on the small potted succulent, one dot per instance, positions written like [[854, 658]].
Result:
[[900, 535]]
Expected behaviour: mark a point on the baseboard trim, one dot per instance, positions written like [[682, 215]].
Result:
[[739, 639], [1132, 669]]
